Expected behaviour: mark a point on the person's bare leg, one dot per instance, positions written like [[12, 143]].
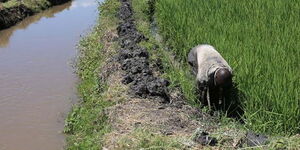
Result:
[[221, 98], [208, 98], [202, 90]]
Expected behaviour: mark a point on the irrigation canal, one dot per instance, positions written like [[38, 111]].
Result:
[[37, 83]]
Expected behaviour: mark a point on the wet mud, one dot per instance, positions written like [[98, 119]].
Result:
[[134, 59], [204, 139], [254, 139]]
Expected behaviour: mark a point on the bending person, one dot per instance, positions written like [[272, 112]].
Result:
[[213, 74]]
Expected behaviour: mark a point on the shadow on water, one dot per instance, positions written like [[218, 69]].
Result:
[[49, 13]]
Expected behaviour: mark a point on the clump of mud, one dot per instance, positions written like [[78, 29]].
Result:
[[255, 139], [57, 2], [203, 138], [134, 59]]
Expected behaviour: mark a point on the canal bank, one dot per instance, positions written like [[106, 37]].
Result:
[[38, 84], [13, 11]]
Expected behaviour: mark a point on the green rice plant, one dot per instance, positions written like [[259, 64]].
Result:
[[259, 39]]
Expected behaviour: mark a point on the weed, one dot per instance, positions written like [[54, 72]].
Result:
[[87, 122], [143, 138]]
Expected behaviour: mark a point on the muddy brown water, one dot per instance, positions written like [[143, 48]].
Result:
[[37, 83]]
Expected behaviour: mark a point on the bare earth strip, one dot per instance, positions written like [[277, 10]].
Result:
[[134, 115]]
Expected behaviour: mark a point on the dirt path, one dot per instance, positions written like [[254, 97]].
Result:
[[144, 103]]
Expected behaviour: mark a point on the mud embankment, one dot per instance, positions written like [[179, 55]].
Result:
[[153, 105], [5, 35], [13, 15], [135, 59]]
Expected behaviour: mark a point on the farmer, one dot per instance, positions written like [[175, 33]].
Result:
[[213, 74]]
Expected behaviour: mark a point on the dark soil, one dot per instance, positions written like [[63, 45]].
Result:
[[57, 2], [10, 16], [204, 139], [135, 59], [171, 118], [13, 15]]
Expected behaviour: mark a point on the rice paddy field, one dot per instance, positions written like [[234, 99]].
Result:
[[260, 39]]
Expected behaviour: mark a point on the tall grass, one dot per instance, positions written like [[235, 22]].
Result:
[[261, 41]]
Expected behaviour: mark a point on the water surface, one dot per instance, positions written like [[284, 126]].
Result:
[[37, 83]]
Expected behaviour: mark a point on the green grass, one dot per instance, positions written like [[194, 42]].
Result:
[[87, 123], [260, 40], [145, 139], [35, 5], [11, 3], [176, 73]]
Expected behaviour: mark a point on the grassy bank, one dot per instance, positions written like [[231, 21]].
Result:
[[87, 122], [260, 41], [36, 6], [88, 125], [13, 11], [177, 73]]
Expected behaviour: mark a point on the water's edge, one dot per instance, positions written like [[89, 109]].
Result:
[[13, 15], [38, 84]]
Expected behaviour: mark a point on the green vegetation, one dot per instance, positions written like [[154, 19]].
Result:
[[146, 139], [14, 11], [260, 40], [177, 73], [35, 5], [87, 122]]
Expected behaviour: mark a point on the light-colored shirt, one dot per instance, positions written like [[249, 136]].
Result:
[[207, 60]]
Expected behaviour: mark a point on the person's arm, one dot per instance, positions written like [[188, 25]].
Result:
[[192, 60]]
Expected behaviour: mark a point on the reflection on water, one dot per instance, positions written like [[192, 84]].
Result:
[[49, 13], [83, 4], [37, 83]]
